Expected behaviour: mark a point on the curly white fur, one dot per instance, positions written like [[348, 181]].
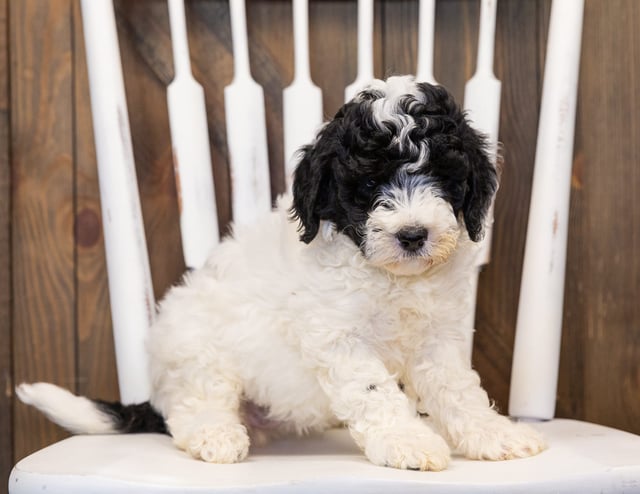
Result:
[[316, 335]]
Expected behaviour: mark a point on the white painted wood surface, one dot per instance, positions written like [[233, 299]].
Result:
[[482, 103], [302, 100], [130, 289], [582, 458], [534, 375], [426, 45], [246, 129], [191, 152], [364, 73]]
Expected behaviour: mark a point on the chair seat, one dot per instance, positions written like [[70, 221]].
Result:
[[581, 458]]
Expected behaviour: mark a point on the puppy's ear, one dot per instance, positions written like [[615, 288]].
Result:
[[313, 187], [482, 183], [465, 144]]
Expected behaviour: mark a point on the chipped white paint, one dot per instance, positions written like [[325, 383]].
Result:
[[482, 103], [191, 153], [302, 100], [246, 129], [130, 289], [534, 375], [364, 75]]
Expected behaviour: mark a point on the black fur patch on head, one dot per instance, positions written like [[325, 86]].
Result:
[[361, 150]]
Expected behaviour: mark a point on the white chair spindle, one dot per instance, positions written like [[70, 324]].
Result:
[[302, 100], [426, 32], [191, 153], [246, 129], [130, 289], [364, 73], [482, 102], [536, 353]]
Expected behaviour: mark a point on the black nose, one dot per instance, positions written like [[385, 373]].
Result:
[[412, 239]]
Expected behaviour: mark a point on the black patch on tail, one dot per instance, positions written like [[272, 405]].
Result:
[[130, 419]]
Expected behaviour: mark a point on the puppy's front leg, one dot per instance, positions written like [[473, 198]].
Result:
[[381, 420], [450, 391]]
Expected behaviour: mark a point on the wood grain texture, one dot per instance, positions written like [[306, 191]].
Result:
[[61, 324], [333, 42], [6, 370], [602, 320], [456, 35], [42, 187]]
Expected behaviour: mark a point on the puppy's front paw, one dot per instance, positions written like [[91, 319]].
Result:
[[220, 443], [501, 439], [409, 448]]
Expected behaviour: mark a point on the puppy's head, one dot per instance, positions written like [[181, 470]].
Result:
[[400, 172]]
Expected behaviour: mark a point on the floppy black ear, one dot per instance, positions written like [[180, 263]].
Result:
[[313, 188], [314, 185], [482, 183], [306, 186]]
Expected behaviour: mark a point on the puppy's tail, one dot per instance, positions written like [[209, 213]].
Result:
[[81, 415]]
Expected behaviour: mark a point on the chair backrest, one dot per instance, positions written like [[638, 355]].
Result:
[[128, 267]]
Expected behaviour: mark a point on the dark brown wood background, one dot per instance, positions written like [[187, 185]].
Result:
[[54, 307]]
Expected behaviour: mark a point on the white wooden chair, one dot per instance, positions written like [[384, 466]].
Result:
[[581, 457]]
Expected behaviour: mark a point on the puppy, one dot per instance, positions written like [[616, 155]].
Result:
[[354, 316]]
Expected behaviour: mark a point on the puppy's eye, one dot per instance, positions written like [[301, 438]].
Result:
[[366, 187], [370, 184]]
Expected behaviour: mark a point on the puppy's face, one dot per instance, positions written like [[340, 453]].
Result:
[[400, 172]]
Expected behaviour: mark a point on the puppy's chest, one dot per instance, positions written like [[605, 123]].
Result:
[[404, 316]]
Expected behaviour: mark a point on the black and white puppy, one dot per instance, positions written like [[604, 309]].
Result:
[[280, 335]]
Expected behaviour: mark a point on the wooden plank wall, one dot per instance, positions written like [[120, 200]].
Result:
[[54, 312], [6, 429]]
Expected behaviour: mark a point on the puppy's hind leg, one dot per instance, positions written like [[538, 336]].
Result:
[[206, 421]]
